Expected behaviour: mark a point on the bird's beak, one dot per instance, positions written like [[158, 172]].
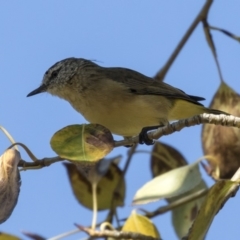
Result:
[[40, 89]]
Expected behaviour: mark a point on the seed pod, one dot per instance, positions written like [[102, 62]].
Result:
[[223, 143]]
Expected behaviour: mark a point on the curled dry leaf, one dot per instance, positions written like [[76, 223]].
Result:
[[9, 182], [223, 143], [86, 142]]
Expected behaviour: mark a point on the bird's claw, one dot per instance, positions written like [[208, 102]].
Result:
[[143, 136]]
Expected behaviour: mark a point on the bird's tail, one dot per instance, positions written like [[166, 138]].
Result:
[[185, 109], [215, 111]]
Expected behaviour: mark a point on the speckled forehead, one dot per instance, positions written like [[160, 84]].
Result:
[[65, 69], [65, 64]]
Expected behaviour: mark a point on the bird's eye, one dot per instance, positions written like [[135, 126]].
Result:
[[55, 73]]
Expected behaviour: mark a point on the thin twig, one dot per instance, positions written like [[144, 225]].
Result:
[[116, 193], [176, 203], [202, 14], [66, 234], [115, 234], [212, 46], [229, 34], [9, 136], [45, 162], [95, 206]]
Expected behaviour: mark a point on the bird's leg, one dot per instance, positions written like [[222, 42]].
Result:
[[128, 146], [143, 136]]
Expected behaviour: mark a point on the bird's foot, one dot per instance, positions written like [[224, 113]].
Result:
[[143, 136]]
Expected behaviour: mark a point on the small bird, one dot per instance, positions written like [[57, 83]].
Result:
[[121, 99]]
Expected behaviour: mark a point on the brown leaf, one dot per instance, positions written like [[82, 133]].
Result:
[[165, 158], [82, 188], [9, 182], [223, 143]]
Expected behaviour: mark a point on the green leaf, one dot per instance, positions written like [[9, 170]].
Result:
[[169, 184], [184, 215], [87, 142], [213, 202]]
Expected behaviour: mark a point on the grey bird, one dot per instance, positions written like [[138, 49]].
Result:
[[121, 99]]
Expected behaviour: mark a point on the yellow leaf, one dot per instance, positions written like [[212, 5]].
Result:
[[5, 236], [165, 158], [140, 224], [82, 188]]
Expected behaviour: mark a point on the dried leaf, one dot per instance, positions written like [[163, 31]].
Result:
[[165, 158], [82, 188], [9, 182], [223, 143]]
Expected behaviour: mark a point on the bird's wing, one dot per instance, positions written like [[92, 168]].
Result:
[[138, 83]]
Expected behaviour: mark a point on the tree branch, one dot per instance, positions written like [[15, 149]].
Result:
[[176, 203], [115, 234], [224, 120], [45, 162], [202, 14]]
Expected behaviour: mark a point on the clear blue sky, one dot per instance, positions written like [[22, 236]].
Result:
[[135, 34]]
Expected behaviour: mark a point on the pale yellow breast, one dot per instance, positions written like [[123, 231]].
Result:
[[113, 106]]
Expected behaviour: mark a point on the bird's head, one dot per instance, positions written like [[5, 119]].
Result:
[[57, 76]]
